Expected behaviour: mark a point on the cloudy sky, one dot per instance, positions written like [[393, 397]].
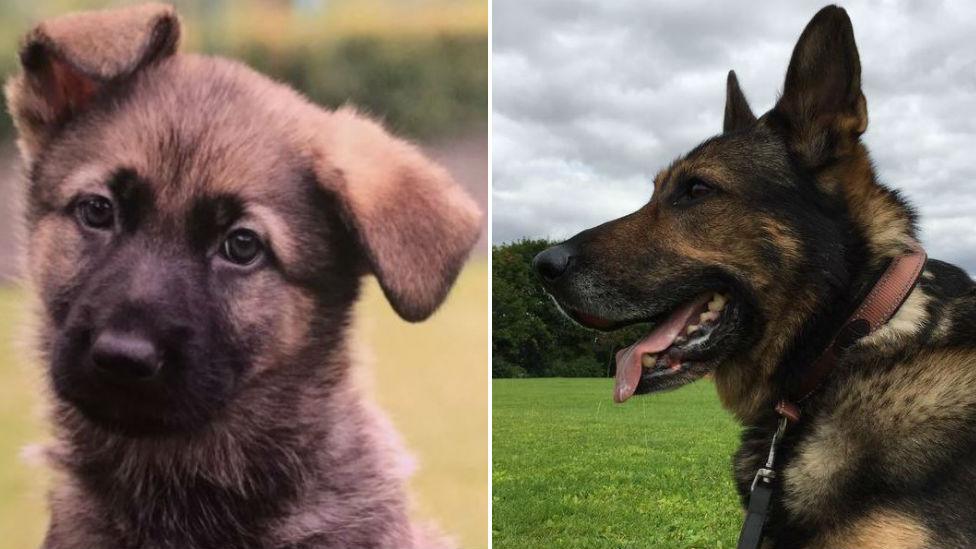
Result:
[[592, 98]]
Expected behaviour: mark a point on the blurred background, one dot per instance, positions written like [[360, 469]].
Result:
[[422, 67]]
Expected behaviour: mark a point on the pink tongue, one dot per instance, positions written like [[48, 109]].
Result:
[[660, 338]]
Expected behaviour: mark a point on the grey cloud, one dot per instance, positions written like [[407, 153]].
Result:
[[592, 98]]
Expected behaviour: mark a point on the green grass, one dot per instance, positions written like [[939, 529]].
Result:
[[431, 378], [573, 470]]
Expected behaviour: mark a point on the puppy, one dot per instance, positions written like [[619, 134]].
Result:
[[197, 234]]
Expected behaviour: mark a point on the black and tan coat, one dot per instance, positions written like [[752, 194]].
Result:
[[784, 216]]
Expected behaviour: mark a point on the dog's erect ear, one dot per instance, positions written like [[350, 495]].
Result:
[[822, 107], [738, 115], [415, 224], [67, 60]]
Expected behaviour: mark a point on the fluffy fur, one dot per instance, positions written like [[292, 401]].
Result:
[[253, 434], [796, 227]]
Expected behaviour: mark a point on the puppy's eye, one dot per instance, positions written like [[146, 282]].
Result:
[[242, 247], [96, 212], [694, 190]]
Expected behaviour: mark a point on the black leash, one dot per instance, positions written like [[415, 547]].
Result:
[[760, 495]]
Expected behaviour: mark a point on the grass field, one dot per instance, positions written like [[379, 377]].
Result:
[[573, 470], [432, 378]]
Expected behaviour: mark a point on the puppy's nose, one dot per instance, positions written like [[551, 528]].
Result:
[[552, 262], [127, 355]]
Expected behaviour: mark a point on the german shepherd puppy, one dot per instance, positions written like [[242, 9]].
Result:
[[196, 235], [751, 253]]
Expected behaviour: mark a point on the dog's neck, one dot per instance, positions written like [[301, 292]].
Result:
[[886, 223], [879, 226]]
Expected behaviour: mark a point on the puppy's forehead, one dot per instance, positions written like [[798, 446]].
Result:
[[195, 127], [209, 141]]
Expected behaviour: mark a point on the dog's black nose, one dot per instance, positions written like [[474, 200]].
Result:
[[127, 355], [552, 262]]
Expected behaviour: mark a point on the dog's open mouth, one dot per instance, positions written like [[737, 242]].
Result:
[[674, 351], [685, 341]]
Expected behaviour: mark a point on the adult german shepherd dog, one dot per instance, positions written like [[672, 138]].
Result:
[[753, 250], [196, 235]]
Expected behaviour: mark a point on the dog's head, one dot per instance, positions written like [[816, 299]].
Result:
[[193, 224], [743, 237]]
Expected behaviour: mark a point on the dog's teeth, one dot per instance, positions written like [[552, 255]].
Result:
[[717, 303], [648, 360], [708, 317], [691, 329]]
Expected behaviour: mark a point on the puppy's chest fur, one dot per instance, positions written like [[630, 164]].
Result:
[[323, 487], [187, 509], [209, 516], [192, 513], [887, 437]]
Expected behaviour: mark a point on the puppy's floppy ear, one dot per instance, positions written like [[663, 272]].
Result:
[[414, 223], [68, 60], [738, 115], [823, 110]]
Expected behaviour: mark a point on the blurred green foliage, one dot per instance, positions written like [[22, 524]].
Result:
[[420, 65], [420, 87]]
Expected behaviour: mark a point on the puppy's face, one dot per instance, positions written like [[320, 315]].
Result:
[[179, 249], [193, 225]]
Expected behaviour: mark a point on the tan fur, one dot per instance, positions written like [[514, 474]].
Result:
[[907, 321], [80, 40], [88, 179], [829, 456], [177, 126], [384, 180], [824, 461], [879, 530], [80, 60], [50, 263], [886, 223], [898, 416], [275, 231], [887, 229]]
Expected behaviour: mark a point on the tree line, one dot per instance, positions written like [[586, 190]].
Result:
[[530, 336]]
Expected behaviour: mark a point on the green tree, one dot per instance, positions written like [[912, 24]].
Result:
[[520, 336], [530, 336]]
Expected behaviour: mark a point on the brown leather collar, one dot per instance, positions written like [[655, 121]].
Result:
[[878, 307]]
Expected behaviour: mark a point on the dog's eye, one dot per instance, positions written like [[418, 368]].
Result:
[[693, 190], [96, 212], [242, 246]]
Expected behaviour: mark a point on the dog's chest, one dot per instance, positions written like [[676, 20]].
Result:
[[168, 517], [878, 435], [157, 519]]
